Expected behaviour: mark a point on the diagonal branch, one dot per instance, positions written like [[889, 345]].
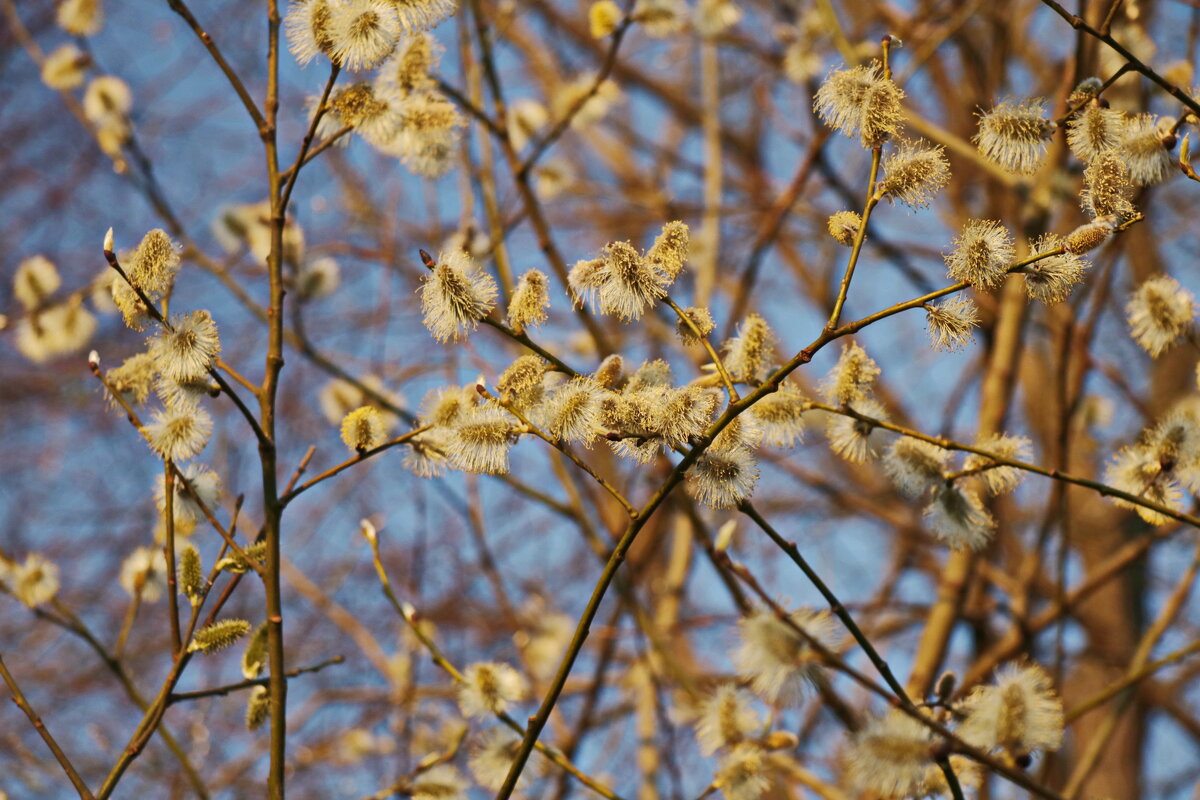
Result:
[[19, 698]]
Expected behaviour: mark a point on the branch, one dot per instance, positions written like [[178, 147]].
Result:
[[1079, 24], [560, 127], [136, 422], [180, 8], [408, 614], [19, 698], [221, 691], [291, 495], [1102, 489], [213, 372], [559, 446]]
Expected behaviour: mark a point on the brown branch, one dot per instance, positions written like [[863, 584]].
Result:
[[180, 8], [1080, 24], [230, 688], [136, 422], [158, 317], [288, 496], [560, 127], [294, 172], [1103, 489], [19, 698]]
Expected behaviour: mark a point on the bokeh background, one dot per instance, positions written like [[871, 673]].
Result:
[[501, 567]]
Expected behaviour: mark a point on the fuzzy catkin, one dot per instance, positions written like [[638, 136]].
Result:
[[254, 656], [982, 254], [80, 17], [891, 755], [603, 16], [363, 32], [697, 325], [852, 377], [531, 298], [850, 437], [742, 774], [154, 264], [573, 413], [189, 349], [480, 440], [1056, 272], [726, 717], [408, 69], [65, 68], [36, 278], [1107, 187], [1088, 237], [915, 466], [178, 434], [240, 562], [191, 574], [843, 227], [1020, 713], [308, 30], [749, 355], [489, 688], [611, 372], [456, 296], [669, 252], [777, 659], [723, 478], [860, 102], [1144, 149], [492, 753], [631, 284], [218, 636], [951, 323], [1014, 135], [134, 379], [443, 782], [521, 383], [258, 708], [1159, 313], [958, 517], [1000, 479], [362, 429], [1094, 130], [428, 130], [915, 172], [780, 416]]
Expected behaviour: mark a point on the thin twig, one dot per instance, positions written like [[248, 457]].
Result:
[[230, 688], [559, 446], [408, 614], [301, 467], [169, 554], [700, 337], [136, 422], [1078, 23], [318, 149], [560, 127], [1103, 489], [288, 496], [19, 698], [158, 317], [180, 8], [1131, 679], [293, 173], [873, 198]]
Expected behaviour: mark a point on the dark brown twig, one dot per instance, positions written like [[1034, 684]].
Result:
[[19, 698]]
